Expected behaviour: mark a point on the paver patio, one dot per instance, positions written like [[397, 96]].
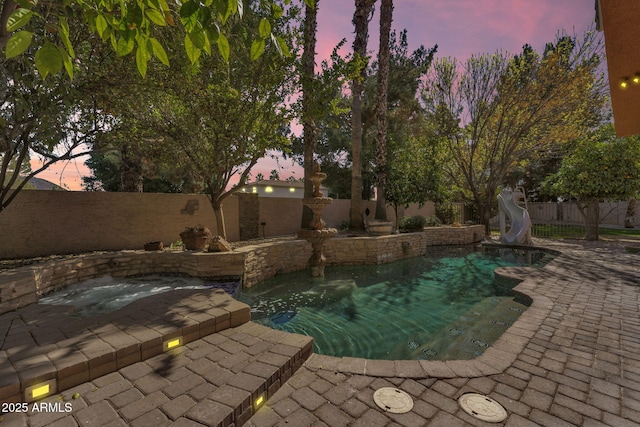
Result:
[[580, 365]]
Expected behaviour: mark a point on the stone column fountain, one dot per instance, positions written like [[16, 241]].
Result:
[[317, 233]]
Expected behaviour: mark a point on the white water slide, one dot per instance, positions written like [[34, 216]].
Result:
[[519, 231]]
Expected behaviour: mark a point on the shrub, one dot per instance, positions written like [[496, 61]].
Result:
[[433, 221], [412, 223]]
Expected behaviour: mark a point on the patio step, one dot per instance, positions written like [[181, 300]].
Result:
[[43, 344]]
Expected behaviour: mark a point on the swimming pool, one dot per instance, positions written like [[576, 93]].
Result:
[[446, 305]]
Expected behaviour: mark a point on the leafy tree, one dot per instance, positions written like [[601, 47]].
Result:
[[404, 112], [37, 118], [415, 168], [220, 120], [128, 155], [600, 167], [498, 109], [158, 177], [130, 27]]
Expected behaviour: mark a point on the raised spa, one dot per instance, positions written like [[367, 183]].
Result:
[[443, 306], [106, 294]]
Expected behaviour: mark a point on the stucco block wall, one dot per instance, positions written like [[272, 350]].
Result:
[[39, 223]]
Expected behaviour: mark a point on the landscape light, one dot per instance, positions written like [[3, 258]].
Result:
[[636, 78], [39, 390], [43, 390], [624, 83], [258, 402], [172, 343]]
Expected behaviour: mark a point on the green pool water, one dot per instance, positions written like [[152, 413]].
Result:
[[446, 305]]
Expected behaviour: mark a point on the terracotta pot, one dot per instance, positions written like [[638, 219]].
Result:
[[195, 238], [379, 228], [153, 246]]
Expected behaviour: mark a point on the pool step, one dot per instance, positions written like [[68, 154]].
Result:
[[44, 344], [460, 340]]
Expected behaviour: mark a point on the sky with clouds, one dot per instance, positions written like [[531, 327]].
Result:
[[459, 27]]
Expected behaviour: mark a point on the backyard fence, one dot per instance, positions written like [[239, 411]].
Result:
[[564, 219]]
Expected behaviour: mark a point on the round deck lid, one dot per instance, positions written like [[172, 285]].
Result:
[[393, 400], [482, 407]]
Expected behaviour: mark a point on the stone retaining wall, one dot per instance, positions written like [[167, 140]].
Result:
[[22, 286], [265, 261]]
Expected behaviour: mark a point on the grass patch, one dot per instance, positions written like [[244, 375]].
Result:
[[560, 231], [632, 232]]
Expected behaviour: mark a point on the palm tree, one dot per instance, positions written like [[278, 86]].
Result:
[[361, 18], [386, 17], [309, 127]]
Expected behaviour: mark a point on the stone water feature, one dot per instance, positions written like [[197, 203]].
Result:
[[317, 233]]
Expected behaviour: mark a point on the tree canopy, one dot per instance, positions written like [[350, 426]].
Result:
[[496, 110], [131, 27], [38, 118], [599, 167]]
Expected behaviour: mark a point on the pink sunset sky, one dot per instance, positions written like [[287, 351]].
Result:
[[459, 27]]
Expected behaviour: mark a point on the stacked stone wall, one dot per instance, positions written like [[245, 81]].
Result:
[[23, 286], [265, 261]]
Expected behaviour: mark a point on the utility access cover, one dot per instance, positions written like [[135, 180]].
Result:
[[482, 407], [393, 400]]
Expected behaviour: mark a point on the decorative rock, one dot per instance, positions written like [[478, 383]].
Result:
[[219, 244]]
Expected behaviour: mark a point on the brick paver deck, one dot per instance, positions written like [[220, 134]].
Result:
[[580, 366], [572, 359]]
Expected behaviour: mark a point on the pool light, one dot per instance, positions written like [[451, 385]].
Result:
[[172, 343]]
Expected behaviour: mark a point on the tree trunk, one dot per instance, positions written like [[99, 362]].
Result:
[[221, 230], [361, 18], [484, 214], [591, 214], [131, 172], [386, 17], [8, 6], [630, 217], [310, 130], [485, 211]]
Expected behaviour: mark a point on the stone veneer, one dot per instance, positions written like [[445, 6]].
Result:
[[268, 260], [22, 286]]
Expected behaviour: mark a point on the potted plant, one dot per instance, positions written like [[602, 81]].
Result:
[[153, 246], [195, 238], [379, 228]]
